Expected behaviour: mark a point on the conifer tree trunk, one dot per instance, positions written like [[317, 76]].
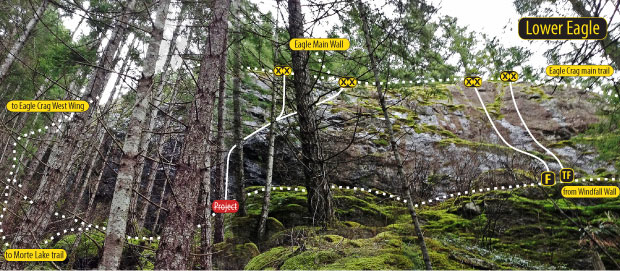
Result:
[[150, 180], [127, 174], [218, 162], [390, 132], [238, 123], [177, 235], [219, 156], [60, 158], [90, 207], [167, 172], [19, 44], [320, 201]]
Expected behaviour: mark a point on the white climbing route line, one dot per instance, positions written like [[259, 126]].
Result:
[[263, 128], [82, 226], [528, 129], [283, 97], [502, 138]]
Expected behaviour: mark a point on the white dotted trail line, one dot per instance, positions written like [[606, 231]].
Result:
[[13, 182], [528, 129], [398, 198], [502, 138], [82, 226]]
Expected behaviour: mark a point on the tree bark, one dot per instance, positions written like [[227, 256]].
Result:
[[61, 156], [19, 44], [264, 214], [320, 201], [150, 180], [167, 171], [177, 234], [127, 175], [390, 131], [218, 162]]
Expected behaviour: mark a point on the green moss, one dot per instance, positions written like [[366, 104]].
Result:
[[562, 143], [536, 91], [386, 261], [355, 209], [310, 260], [272, 258], [441, 221], [352, 224], [380, 142], [442, 262], [495, 108]]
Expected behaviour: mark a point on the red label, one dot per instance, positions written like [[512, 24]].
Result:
[[225, 206]]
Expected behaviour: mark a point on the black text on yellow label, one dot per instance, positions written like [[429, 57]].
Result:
[[567, 175], [579, 70], [47, 106], [280, 70], [35, 255], [315, 44], [590, 191], [509, 76], [347, 82], [472, 81], [547, 178], [565, 28]]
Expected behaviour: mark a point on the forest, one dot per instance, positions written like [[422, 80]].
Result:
[[376, 156]]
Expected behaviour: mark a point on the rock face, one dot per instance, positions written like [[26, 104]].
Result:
[[443, 135], [470, 210]]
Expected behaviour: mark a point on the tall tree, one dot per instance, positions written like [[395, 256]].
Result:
[[19, 43], [271, 139], [320, 201], [127, 174], [62, 152], [178, 231], [390, 131]]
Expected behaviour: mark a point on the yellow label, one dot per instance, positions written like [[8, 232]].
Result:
[[472, 81], [347, 82], [282, 70], [579, 70], [47, 106], [590, 191], [547, 178], [35, 255], [567, 175], [319, 44], [509, 76]]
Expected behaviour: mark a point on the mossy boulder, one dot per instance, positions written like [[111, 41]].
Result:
[[233, 257], [273, 258], [351, 208]]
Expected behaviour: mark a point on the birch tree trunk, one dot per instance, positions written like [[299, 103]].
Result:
[[390, 131], [264, 214], [127, 175], [320, 202], [271, 147], [177, 235], [19, 44]]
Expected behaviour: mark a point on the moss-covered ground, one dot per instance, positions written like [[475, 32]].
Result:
[[519, 229]]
